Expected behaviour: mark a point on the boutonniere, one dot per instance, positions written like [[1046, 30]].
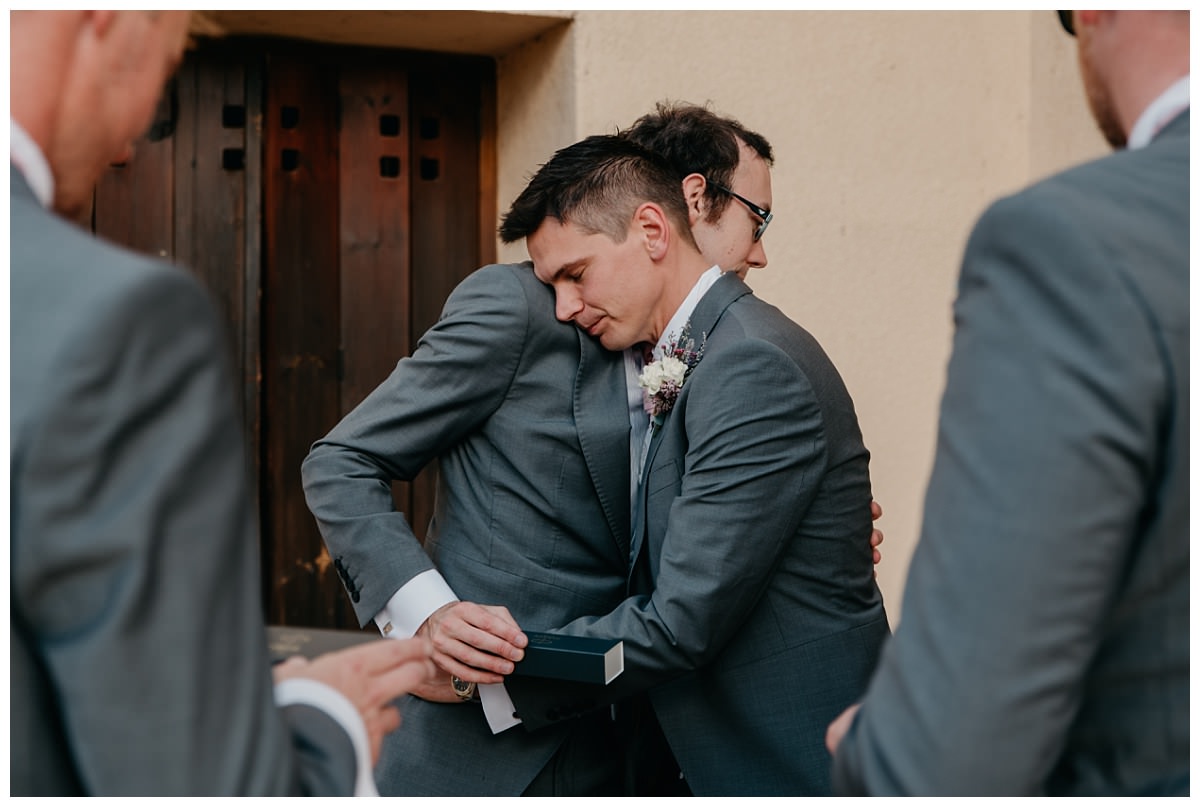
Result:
[[662, 380]]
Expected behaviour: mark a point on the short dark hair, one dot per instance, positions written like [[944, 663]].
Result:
[[597, 184], [695, 140]]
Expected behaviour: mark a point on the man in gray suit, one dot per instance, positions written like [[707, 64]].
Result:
[[532, 510], [530, 422], [749, 572], [137, 648], [1044, 646]]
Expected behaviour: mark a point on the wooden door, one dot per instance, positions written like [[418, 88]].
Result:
[[330, 198]]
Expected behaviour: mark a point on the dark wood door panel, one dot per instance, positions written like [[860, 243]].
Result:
[[329, 198], [134, 201], [375, 243], [301, 293], [218, 185]]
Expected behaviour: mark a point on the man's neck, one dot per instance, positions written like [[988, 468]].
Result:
[[1144, 53], [678, 286], [681, 316]]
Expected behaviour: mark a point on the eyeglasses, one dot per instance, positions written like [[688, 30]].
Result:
[[765, 215], [1068, 22]]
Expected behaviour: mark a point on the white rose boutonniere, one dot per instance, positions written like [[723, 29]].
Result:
[[662, 380]]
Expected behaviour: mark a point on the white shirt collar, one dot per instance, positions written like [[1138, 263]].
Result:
[[684, 312], [1161, 111], [30, 161]]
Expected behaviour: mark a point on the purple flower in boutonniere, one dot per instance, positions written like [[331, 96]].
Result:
[[662, 380]]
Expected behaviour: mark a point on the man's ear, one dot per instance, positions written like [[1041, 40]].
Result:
[[693, 191], [651, 225]]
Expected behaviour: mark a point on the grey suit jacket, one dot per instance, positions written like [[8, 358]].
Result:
[[138, 654], [757, 509], [528, 422], [1044, 646]]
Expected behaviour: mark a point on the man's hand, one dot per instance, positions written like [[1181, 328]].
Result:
[[371, 676], [475, 642], [838, 728]]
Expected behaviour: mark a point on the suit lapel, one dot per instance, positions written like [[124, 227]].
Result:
[[601, 409], [712, 305], [703, 321]]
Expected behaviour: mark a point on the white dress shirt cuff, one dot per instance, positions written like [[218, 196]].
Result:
[[412, 604], [498, 707], [408, 609], [321, 696]]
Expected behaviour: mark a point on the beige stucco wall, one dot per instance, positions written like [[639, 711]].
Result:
[[892, 132]]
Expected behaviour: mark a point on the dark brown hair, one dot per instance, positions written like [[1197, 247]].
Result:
[[695, 140], [597, 184]]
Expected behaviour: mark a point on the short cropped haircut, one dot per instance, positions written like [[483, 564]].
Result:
[[695, 140], [597, 184]]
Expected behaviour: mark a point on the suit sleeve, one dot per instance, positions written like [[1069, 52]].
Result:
[[726, 530], [1053, 394], [143, 579], [455, 379]]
